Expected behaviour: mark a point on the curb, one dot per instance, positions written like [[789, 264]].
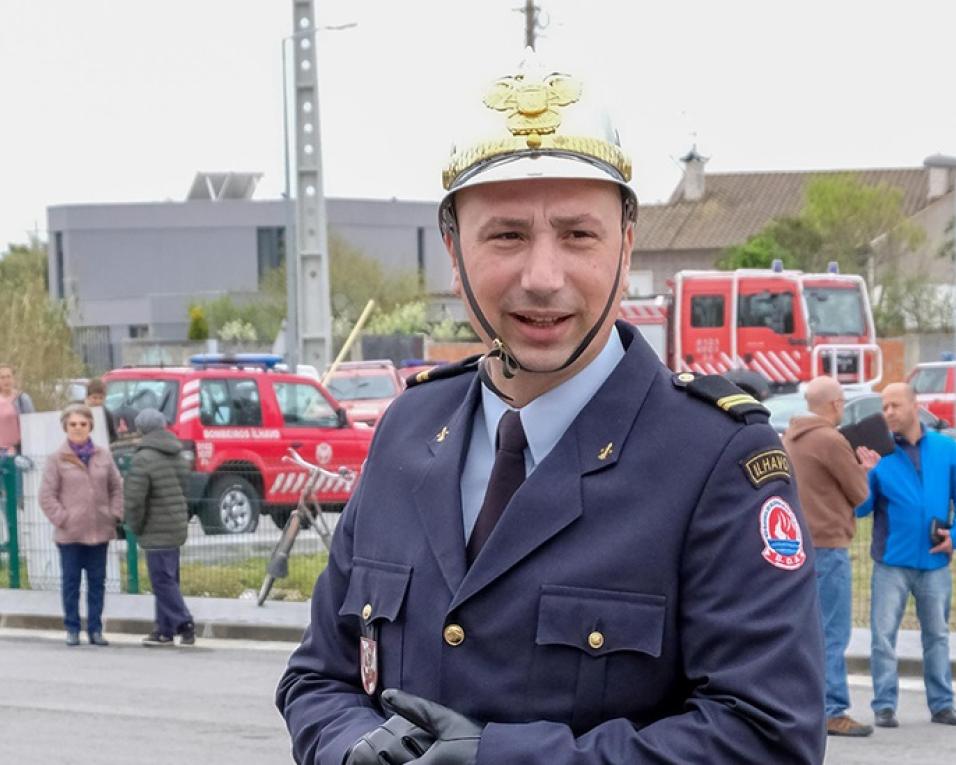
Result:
[[204, 629]]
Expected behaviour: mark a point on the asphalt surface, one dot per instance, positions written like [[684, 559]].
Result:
[[917, 740], [126, 704], [212, 704]]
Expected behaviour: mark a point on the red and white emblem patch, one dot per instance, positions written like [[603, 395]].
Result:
[[368, 664], [782, 538]]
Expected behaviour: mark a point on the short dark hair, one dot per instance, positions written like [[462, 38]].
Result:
[[96, 387]]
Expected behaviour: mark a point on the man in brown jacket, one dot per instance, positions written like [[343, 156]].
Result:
[[831, 482]]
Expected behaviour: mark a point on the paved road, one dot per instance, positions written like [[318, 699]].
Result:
[[917, 740], [213, 704], [128, 704]]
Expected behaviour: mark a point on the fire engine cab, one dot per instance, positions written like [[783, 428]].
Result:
[[237, 417], [784, 326]]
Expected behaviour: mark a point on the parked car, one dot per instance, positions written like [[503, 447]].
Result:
[[858, 405], [935, 386], [366, 388], [237, 417]]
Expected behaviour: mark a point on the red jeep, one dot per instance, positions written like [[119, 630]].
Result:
[[237, 418]]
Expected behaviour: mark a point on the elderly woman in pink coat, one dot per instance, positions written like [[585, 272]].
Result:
[[82, 495]]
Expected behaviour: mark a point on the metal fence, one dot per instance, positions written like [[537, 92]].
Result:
[[233, 565], [213, 565]]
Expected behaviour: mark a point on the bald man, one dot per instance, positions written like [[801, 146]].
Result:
[[831, 482], [908, 489]]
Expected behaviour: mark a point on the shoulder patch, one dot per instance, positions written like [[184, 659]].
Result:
[[444, 371], [781, 534], [723, 394], [766, 465]]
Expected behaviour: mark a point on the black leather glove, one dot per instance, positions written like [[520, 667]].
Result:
[[394, 742], [456, 736]]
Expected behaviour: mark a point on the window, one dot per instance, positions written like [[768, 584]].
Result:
[[127, 398], [270, 243], [138, 331], [229, 402], [58, 255], [303, 406], [773, 310], [930, 380], [835, 311], [348, 386], [707, 311]]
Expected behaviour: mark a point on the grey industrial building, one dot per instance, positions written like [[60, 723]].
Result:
[[132, 270]]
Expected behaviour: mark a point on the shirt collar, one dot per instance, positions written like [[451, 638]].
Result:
[[901, 439], [547, 417]]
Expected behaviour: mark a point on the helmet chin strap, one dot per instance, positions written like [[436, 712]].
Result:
[[510, 364]]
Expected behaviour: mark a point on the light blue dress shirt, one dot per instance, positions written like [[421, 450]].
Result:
[[544, 421]]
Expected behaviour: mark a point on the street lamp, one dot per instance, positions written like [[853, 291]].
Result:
[[305, 36]]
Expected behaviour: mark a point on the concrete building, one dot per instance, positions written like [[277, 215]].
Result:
[[132, 270]]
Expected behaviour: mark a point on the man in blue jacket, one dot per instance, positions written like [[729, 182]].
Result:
[[560, 552], [908, 489]]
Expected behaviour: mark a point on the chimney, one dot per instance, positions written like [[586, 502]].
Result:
[[940, 175], [693, 175]]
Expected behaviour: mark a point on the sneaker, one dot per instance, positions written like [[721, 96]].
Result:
[[96, 638], [944, 717], [187, 634], [155, 638], [844, 725], [886, 718], [72, 638]]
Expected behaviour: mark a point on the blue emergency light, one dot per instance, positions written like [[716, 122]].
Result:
[[264, 360]]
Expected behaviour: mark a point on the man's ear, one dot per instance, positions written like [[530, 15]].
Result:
[[455, 277], [627, 246]]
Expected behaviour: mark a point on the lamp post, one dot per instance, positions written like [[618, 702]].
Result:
[[306, 32]]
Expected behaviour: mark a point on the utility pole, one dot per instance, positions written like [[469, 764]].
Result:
[[310, 239], [530, 23]]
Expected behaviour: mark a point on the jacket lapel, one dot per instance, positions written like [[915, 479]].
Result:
[[438, 493], [551, 499]]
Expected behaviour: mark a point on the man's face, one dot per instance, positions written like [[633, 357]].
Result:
[[541, 256], [900, 409], [95, 399], [6, 379]]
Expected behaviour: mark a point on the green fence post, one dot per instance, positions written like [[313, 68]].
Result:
[[123, 460], [8, 469]]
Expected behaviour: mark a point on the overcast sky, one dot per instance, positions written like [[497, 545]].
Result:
[[124, 100]]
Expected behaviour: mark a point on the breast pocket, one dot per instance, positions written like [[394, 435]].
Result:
[[375, 596], [584, 637]]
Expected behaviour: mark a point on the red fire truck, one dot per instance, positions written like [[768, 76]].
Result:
[[784, 326]]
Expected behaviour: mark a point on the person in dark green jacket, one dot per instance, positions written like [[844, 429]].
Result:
[[155, 511]]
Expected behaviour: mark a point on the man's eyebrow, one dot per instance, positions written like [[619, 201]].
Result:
[[574, 221], [501, 222]]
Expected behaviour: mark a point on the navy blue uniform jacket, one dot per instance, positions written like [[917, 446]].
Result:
[[710, 653]]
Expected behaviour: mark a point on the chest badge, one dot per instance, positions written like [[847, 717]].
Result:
[[368, 663], [606, 452], [782, 537], [442, 435]]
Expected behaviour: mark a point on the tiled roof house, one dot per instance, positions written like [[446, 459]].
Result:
[[709, 212]]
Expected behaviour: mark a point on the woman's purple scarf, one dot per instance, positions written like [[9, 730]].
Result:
[[83, 451]]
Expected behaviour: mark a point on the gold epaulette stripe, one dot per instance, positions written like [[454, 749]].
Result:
[[729, 402]]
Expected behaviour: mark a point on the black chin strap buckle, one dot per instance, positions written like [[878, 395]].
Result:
[[509, 364]]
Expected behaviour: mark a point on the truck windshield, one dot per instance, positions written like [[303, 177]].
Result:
[[835, 310], [351, 387], [127, 398]]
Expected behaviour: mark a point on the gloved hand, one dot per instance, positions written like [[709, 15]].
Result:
[[394, 742], [456, 736]]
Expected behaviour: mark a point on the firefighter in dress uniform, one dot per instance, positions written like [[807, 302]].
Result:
[[560, 552]]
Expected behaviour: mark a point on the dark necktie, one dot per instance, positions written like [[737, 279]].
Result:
[[507, 474]]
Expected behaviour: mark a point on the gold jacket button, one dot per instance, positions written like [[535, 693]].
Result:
[[454, 634], [596, 640], [366, 611]]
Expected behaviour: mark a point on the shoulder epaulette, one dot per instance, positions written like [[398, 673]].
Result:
[[443, 371], [723, 394]]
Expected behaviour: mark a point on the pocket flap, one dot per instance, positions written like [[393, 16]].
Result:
[[379, 585], [601, 621]]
